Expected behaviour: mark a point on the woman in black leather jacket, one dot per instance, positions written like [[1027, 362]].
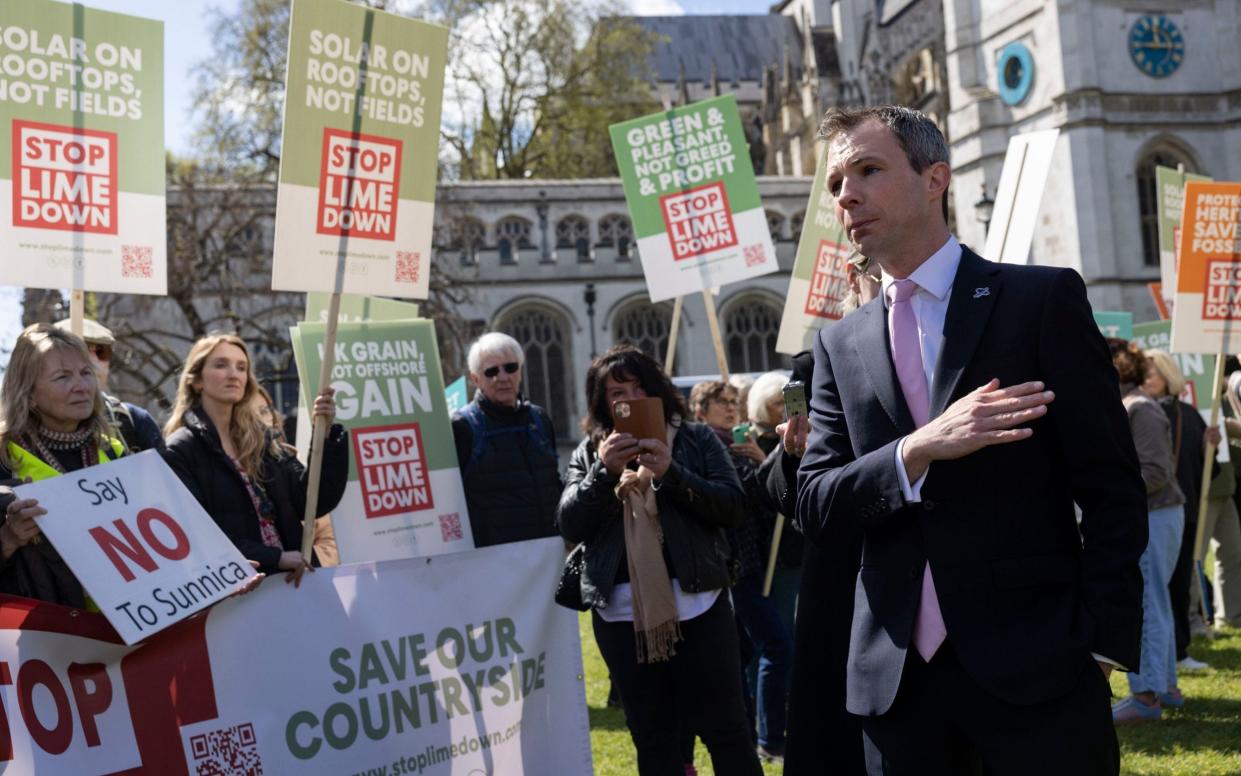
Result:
[[661, 616], [224, 451]]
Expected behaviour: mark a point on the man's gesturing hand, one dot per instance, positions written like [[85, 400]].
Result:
[[986, 416]]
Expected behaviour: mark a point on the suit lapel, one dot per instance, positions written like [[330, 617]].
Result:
[[872, 349], [974, 291]]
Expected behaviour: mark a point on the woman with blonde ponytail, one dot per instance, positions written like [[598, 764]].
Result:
[[222, 448]]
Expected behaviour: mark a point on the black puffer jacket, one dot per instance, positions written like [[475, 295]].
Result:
[[698, 498], [195, 454]]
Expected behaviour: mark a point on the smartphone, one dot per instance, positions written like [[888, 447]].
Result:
[[741, 433], [641, 418], [794, 399]]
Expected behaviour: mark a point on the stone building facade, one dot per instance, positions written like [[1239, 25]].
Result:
[[1116, 119], [553, 263]]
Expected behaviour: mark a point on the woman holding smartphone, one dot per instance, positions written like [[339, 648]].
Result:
[[652, 515]]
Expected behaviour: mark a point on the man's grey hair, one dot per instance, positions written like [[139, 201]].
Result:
[[494, 344], [920, 139]]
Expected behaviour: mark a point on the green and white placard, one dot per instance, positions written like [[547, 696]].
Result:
[[1114, 324], [1198, 368], [689, 184], [1169, 201], [819, 283], [360, 150], [404, 498], [82, 128]]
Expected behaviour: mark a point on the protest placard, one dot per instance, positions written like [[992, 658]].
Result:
[[1019, 196], [1206, 317], [139, 542], [404, 496], [1197, 368], [81, 109], [458, 394], [355, 308], [482, 673], [359, 151], [819, 282], [689, 184], [1170, 198], [1114, 324]]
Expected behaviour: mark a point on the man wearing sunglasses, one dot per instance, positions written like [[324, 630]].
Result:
[[506, 448], [138, 429]]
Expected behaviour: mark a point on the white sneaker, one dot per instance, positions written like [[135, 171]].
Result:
[[1189, 664]]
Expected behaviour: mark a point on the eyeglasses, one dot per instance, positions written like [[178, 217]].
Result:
[[492, 371], [101, 352]]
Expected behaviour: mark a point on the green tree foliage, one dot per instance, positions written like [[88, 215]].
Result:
[[534, 84]]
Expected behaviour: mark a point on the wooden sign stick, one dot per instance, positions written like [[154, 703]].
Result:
[[670, 358], [1203, 498], [319, 435], [713, 322]]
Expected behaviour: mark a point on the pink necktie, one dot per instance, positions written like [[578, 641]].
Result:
[[929, 630]]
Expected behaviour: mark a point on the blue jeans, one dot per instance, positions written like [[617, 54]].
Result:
[[774, 644], [1158, 668]]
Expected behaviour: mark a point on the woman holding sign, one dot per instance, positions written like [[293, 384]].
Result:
[[651, 513], [52, 420], [228, 456]]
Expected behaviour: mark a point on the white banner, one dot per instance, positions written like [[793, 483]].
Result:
[[139, 542], [460, 665]]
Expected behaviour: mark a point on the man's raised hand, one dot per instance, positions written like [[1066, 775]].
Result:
[[988, 415]]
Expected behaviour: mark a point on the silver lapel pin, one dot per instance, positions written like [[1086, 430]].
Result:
[[979, 293]]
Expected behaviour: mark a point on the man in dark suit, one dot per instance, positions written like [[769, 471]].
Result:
[[955, 420]]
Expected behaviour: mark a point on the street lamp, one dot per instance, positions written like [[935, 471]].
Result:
[[590, 296], [984, 208]]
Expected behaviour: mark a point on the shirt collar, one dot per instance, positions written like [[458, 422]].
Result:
[[935, 275]]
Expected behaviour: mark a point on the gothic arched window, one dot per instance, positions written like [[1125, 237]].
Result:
[[616, 231], [645, 326], [751, 325], [1148, 196], [512, 235], [465, 235], [573, 233], [544, 337]]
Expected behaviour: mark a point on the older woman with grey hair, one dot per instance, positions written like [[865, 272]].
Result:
[[506, 448]]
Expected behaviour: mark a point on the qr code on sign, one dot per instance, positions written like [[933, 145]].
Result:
[[228, 752], [408, 264], [754, 255], [136, 261], [450, 527]]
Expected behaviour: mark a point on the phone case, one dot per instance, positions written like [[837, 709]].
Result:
[[643, 418], [794, 399]]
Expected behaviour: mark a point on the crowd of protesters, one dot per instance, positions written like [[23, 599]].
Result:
[[717, 619]]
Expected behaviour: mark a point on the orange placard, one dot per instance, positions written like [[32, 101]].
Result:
[[1210, 247]]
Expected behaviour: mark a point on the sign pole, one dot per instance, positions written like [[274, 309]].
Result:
[[713, 322], [776, 535], [319, 435], [1203, 499], [670, 358]]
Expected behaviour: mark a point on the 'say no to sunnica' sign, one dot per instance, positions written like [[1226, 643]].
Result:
[[139, 542]]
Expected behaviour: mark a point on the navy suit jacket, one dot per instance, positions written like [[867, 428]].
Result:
[[1026, 596]]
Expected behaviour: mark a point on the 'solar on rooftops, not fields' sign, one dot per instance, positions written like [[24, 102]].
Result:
[[81, 149]]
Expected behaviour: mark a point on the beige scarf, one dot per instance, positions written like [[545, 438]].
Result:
[[655, 621]]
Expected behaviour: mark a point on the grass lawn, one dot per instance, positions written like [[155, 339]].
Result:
[[1202, 739]]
